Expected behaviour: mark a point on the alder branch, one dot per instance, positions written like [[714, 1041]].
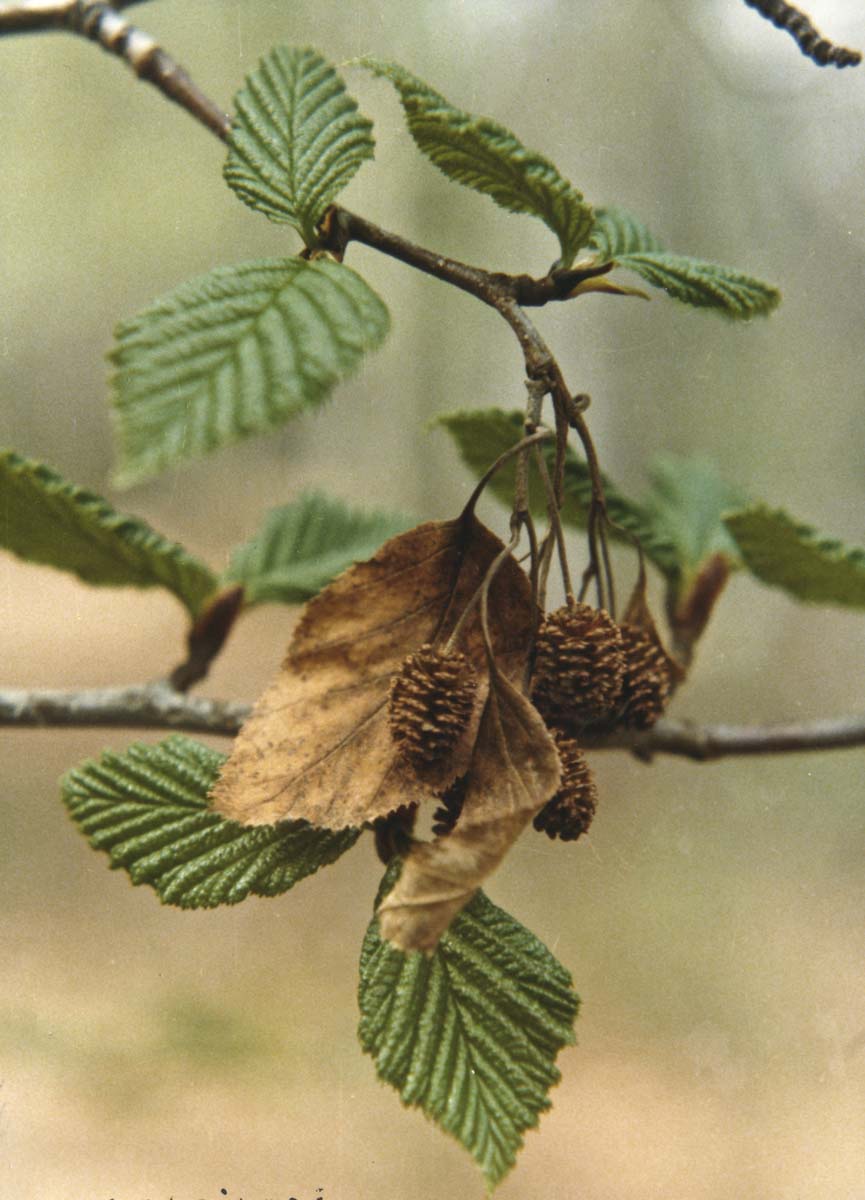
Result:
[[39, 16], [138, 706], [706, 743], [159, 706], [102, 23]]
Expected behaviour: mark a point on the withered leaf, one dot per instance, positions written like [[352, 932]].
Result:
[[318, 746], [514, 771], [638, 614]]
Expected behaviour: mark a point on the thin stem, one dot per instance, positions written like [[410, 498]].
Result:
[[484, 592], [607, 566], [546, 558], [555, 522], [519, 447]]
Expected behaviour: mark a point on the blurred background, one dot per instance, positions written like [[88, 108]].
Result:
[[712, 920]]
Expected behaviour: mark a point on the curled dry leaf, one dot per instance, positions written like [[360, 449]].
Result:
[[318, 746], [513, 773]]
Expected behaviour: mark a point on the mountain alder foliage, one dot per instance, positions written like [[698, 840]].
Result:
[[427, 679]]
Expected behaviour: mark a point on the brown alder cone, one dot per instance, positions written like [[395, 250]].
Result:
[[431, 701], [579, 666], [648, 679], [569, 813]]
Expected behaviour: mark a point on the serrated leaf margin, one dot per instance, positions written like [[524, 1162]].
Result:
[[236, 352], [148, 809], [481, 154], [840, 568], [137, 556], [548, 1007], [297, 138]]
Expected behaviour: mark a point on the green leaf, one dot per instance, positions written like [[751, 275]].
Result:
[[685, 506], [304, 545], [471, 1032], [621, 237], [704, 285], [616, 232], [45, 519], [481, 154], [482, 435], [149, 809], [787, 554], [296, 140], [236, 352]]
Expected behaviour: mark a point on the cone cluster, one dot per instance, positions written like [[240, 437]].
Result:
[[431, 701], [569, 812], [589, 671]]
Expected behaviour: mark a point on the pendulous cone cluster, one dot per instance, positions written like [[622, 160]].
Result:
[[592, 673], [589, 673], [421, 676]]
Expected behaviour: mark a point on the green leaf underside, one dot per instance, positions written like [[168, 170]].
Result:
[[483, 155], [296, 140], [470, 1033], [148, 809], [685, 505], [302, 546], [236, 352], [616, 232], [45, 519], [482, 435], [619, 236], [787, 554]]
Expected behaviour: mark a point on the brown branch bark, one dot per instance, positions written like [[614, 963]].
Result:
[[160, 706]]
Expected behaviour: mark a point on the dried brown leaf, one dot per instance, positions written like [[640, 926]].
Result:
[[514, 771], [318, 746]]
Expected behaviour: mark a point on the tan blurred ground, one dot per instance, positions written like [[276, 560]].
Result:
[[713, 920]]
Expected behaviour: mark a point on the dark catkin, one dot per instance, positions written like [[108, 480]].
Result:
[[809, 39], [569, 813], [648, 679], [579, 666], [431, 701]]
